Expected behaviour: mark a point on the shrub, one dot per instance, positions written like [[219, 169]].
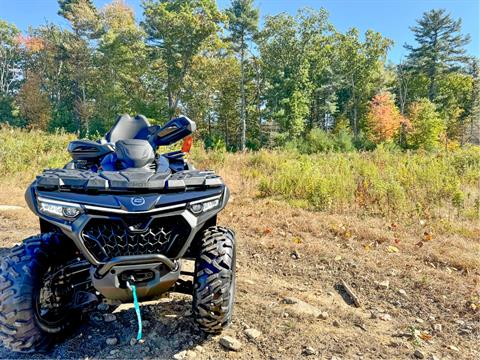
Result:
[[24, 153], [381, 182], [344, 141], [317, 141]]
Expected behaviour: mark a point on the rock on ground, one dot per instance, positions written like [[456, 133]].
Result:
[[111, 341], [418, 354], [307, 351], [252, 334], [185, 354], [301, 307], [383, 284], [230, 343]]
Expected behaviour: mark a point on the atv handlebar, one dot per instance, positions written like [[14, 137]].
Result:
[[173, 131]]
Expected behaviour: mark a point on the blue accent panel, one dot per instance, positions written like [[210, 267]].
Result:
[[108, 162]]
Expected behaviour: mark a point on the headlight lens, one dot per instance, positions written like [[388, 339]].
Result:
[[59, 209], [201, 207]]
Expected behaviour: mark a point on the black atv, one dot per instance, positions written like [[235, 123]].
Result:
[[118, 218]]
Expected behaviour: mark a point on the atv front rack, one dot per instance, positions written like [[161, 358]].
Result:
[[125, 181]]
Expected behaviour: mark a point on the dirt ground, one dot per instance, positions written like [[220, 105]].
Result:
[[419, 292]]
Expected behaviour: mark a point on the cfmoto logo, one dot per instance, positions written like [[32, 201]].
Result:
[[138, 201]]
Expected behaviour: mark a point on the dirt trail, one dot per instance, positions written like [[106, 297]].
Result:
[[409, 302]]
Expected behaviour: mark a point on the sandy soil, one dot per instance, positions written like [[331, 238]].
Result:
[[430, 303]]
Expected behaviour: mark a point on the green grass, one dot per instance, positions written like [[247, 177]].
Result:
[[380, 182], [23, 154]]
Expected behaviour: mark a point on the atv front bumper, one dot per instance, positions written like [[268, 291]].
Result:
[[121, 238]]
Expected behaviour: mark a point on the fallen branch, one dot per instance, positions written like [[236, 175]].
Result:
[[350, 293]]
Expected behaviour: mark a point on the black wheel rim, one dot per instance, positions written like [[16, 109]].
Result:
[[51, 312]]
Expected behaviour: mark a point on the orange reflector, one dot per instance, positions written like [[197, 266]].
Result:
[[187, 144]]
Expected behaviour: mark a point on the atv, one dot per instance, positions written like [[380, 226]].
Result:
[[116, 224]]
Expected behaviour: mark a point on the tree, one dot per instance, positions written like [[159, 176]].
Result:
[[10, 68], [455, 100], [177, 31], [122, 56], [440, 47], [243, 25], [472, 123], [383, 118], [33, 103], [290, 49], [84, 20], [427, 126], [10, 55], [360, 64]]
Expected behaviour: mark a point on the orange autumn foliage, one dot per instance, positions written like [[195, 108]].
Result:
[[30, 43], [383, 118]]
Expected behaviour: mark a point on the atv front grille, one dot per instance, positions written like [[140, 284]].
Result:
[[106, 239]]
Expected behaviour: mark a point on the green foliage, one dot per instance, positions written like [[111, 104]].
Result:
[[317, 141], [427, 126], [178, 30], [10, 59], [291, 47], [242, 22], [243, 26], [24, 154], [455, 99], [189, 57], [440, 46], [381, 182]]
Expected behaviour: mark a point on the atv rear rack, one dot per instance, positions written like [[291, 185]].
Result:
[[125, 181]]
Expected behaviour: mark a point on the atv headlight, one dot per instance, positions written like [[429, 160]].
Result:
[[205, 205], [59, 209]]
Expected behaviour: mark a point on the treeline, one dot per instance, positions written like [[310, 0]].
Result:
[[295, 82]]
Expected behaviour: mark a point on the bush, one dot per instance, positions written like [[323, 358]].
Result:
[[318, 141], [23, 154], [380, 182], [344, 141]]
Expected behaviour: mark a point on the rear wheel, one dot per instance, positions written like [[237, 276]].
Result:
[[214, 284], [35, 310]]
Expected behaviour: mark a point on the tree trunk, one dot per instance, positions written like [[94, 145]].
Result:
[[226, 132], [433, 72], [433, 85], [355, 115], [242, 94]]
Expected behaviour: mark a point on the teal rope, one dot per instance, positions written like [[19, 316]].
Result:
[[137, 310]]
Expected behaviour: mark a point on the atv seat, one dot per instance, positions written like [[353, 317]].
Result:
[[126, 128]]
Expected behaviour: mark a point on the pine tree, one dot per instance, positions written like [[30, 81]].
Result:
[[243, 24], [67, 6], [440, 46]]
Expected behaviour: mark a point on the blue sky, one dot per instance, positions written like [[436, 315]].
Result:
[[390, 17]]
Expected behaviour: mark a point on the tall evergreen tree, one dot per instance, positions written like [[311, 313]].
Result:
[[440, 46], [243, 24]]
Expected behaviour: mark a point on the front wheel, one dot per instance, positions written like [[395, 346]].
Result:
[[34, 310], [214, 284]]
